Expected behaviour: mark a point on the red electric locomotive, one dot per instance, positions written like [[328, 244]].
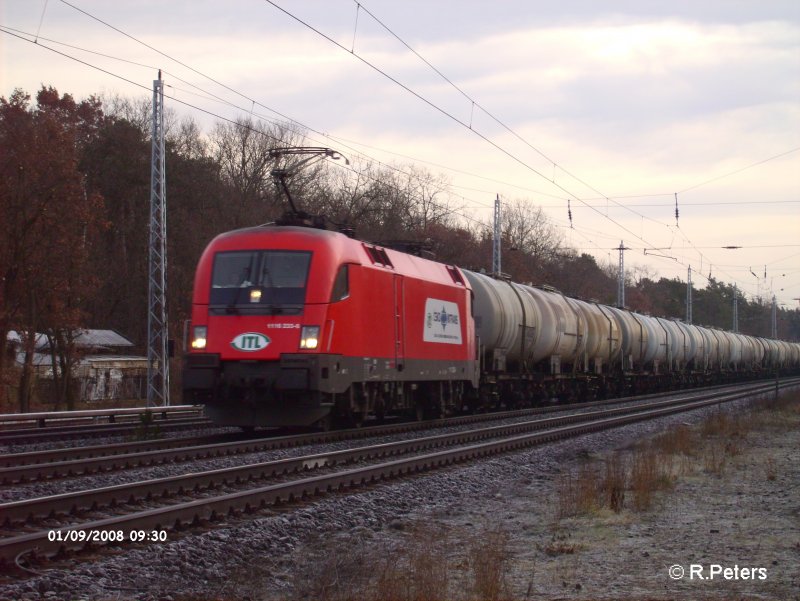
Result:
[[300, 326]]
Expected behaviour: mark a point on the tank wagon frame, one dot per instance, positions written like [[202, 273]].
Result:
[[299, 326]]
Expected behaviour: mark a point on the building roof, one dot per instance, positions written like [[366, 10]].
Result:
[[93, 339], [100, 338]]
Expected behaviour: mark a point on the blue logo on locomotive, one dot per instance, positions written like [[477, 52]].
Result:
[[442, 313], [443, 317]]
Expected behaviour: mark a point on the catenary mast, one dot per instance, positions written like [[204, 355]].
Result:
[[157, 332], [496, 238]]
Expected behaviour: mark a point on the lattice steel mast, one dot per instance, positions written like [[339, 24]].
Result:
[[621, 275], [496, 237], [689, 296], [774, 317], [157, 332]]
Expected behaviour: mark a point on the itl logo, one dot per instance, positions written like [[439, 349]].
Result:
[[250, 342]]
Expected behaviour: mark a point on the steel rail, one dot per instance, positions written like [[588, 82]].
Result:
[[73, 461], [280, 441], [42, 417], [26, 510], [177, 515], [31, 435], [64, 453], [104, 450]]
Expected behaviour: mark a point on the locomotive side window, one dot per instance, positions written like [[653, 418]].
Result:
[[341, 285], [259, 282]]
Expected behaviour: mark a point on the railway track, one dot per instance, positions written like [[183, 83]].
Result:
[[79, 461], [132, 428], [50, 516]]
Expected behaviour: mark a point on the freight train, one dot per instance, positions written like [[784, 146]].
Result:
[[295, 325]]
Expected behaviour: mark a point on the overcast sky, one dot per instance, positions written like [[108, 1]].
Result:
[[615, 105]]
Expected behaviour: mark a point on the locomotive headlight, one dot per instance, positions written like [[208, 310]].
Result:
[[255, 295], [199, 337], [309, 337]]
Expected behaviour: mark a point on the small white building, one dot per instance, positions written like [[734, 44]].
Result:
[[101, 372]]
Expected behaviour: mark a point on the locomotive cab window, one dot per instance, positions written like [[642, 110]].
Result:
[[260, 282]]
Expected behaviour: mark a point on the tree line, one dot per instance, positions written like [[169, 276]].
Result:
[[74, 204]]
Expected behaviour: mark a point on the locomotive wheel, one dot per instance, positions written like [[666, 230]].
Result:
[[351, 419], [325, 424]]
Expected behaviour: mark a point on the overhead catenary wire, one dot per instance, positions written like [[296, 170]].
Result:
[[452, 117], [237, 123], [253, 103], [468, 126]]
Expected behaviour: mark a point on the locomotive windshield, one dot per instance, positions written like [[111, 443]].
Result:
[[259, 282]]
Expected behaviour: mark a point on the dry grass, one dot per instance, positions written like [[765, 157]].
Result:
[[614, 483], [489, 561], [560, 545], [771, 469], [578, 493], [429, 565], [632, 480]]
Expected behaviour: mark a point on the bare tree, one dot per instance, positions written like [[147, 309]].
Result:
[[242, 150], [527, 229], [50, 218]]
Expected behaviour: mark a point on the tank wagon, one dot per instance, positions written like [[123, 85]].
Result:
[[299, 326]]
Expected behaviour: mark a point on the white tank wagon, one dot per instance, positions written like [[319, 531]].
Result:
[[694, 345], [506, 321], [655, 354], [723, 346], [785, 354], [771, 353], [748, 354], [794, 357], [602, 347], [560, 344], [759, 352], [634, 338], [734, 356], [676, 344], [644, 341], [536, 342]]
